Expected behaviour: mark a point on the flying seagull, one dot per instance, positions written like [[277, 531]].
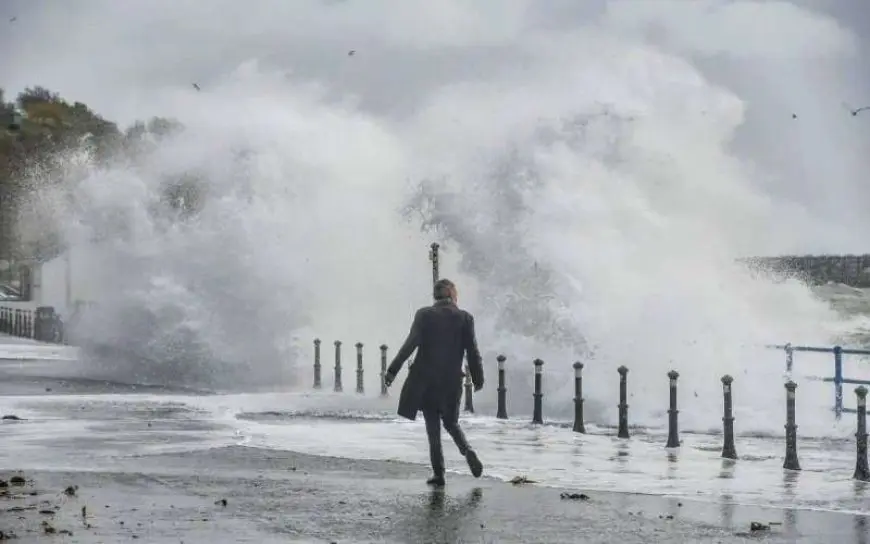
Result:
[[195, 86], [855, 111], [351, 53], [12, 20]]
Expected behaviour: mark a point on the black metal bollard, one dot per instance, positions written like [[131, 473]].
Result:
[[28, 324], [537, 414], [18, 321], [338, 387], [791, 456], [579, 426], [469, 401], [383, 370], [728, 449], [623, 402], [317, 384], [360, 387], [501, 412], [862, 471], [673, 425], [433, 256]]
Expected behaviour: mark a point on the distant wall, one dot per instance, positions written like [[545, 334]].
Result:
[[68, 278], [52, 285], [853, 270]]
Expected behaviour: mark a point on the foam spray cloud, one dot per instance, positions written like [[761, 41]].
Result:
[[579, 163]]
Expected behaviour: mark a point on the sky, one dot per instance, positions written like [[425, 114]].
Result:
[[136, 44]]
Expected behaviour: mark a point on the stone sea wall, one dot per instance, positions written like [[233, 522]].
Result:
[[852, 270]]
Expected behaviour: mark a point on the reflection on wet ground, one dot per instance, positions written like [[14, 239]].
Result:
[[439, 514]]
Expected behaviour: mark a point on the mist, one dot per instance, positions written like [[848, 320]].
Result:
[[591, 171]]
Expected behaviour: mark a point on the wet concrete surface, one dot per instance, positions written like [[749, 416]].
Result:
[[38, 377], [287, 497], [131, 492]]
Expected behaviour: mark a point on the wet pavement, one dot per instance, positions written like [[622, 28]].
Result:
[[13, 348], [38, 376], [287, 497]]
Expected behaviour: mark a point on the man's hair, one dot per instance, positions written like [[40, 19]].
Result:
[[443, 289]]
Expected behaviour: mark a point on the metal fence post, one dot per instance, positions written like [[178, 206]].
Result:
[[838, 382]]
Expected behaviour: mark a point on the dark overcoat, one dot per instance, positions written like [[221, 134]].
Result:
[[442, 334]]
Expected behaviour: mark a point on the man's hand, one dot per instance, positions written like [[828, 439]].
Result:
[[478, 387], [388, 379]]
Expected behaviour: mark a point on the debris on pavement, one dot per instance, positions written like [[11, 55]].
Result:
[[575, 496]]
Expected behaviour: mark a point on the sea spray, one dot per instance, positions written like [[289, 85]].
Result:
[[582, 178]]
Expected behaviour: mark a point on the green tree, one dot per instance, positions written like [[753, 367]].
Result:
[[50, 126]]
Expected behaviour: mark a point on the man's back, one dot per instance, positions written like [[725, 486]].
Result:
[[445, 333], [442, 334]]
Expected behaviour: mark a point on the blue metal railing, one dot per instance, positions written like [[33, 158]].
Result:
[[838, 379]]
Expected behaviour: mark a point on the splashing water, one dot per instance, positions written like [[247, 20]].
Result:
[[587, 183]]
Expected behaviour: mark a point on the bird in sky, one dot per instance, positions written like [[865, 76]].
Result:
[[195, 86], [855, 111]]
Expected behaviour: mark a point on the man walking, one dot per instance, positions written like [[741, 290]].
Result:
[[441, 334]]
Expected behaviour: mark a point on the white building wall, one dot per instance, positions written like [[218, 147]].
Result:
[[62, 281]]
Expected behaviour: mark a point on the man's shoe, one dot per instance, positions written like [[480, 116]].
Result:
[[436, 481], [474, 463]]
